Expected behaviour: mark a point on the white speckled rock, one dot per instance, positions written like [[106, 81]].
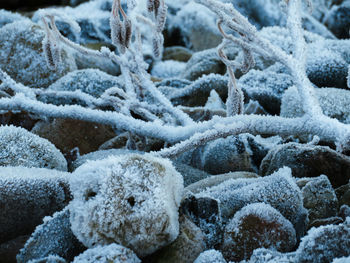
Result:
[[131, 200]]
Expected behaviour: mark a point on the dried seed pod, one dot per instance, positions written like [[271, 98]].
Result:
[[128, 32]]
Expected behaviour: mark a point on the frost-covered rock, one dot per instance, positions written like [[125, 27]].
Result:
[[10, 249], [319, 198], [255, 226], [326, 68], [343, 194], [323, 244], [197, 93], [22, 56], [196, 25], [19, 147], [185, 249], [27, 195], [334, 103], [173, 83], [334, 220], [49, 259], [278, 190], [7, 17], [205, 213], [344, 211], [68, 134], [265, 87], [168, 69], [91, 81], [112, 253], [210, 256], [203, 63], [202, 113], [53, 237], [131, 200], [190, 174], [214, 101], [308, 161], [338, 21], [264, 255], [92, 17], [342, 260]]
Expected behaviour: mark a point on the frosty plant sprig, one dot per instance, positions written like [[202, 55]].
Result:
[[160, 119]]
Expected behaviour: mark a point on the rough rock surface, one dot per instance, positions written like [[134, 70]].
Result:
[[131, 200]]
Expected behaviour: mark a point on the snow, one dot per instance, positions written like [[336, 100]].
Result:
[[167, 69], [21, 147], [131, 200], [214, 101], [7, 17], [210, 256], [112, 253]]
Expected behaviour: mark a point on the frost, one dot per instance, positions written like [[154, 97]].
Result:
[[278, 190], [21, 55], [112, 253], [131, 200], [210, 256], [342, 260], [53, 237], [263, 255], [324, 243], [27, 195], [19, 147], [214, 101], [7, 17], [48, 259], [168, 69]]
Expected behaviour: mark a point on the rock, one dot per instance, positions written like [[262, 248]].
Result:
[[49, 259], [27, 195], [10, 249], [167, 69], [20, 147], [202, 113], [7, 17], [334, 103], [67, 134], [265, 87], [112, 253], [323, 244], [19, 119], [210, 256], [190, 174], [319, 198], [185, 249], [203, 63], [326, 221], [214, 102], [205, 213], [311, 24], [308, 161], [197, 27], [214, 180], [264, 255], [53, 237], [344, 212], [254, 107], [22, 56], [255, 226], [173, 83], [90, 81], [343, 194], [131, 200], [337, 20], [220, 156], [278, 190], [197, 93], [99, 155], [326, 68], [177, 53]]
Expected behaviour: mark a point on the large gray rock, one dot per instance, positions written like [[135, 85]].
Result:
[[308, 161], [22, 56], [27, 195], [130, 200], [337, 20], [319, 198], [19, 147]]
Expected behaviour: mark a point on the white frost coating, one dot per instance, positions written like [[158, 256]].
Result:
[[278, 190], [168, 69], [48, 259], [210, 256], [19, 147], [131, 200], [7, 17], [263, 255], [112, 253], [214, 101], [342, 260]]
